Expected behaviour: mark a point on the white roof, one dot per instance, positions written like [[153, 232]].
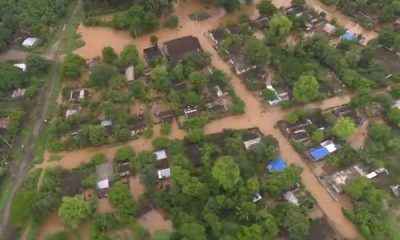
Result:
[[103, 184], [30, 42], [249, 143], [21, 66], [106, 123], [70, 112], [164, 173], [130, 73], [331, 147], [290, 197], [329, 28], [160, 155], [257, 197], [397, 104]]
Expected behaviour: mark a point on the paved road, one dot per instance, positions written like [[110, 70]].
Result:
[[20, 168]]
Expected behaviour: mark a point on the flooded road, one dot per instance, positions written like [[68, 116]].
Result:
[[257, 114]]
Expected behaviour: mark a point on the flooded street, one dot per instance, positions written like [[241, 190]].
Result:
[[357, 141], [52, 225], [256, 113]]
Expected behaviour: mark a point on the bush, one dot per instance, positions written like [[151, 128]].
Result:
[[148, 133], [166, 128], [172, 22]]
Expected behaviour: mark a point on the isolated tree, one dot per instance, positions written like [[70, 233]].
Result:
[[102, 74], [226, 172], [344, 128], [228, 5], [37, 65], [128, 56], [154, 40], [266, 7], [306, 89], [280, 25], [109, 55], [269, 94], [72, 66], [11, 77], [73, 210]]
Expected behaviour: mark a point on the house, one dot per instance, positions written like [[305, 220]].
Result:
[[70, 183], [216, 106], [346, 111], [299, 135], [234, 29], [194, 154], [260, 23], [137, 124], [395, 190], [130, 74], [165, 116], [72, 111], [277, 165], [124, 169], [106, 123], [240, 63], [175, 50], [105, 176], [299, 125], [313, 22], [250, 139], [291, 198], [151, 54], [77, 95], [325, 149], [217, 36], [161, 159], [18, 92], [329, 29], [255, 74], [21, 66], [30, 42], [220, 90], [349, 36], [190, 111], [279, 96], [164, 173]]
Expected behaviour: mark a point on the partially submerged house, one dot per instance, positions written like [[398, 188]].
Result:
[[234, 29], [78, 95], [325, 149], [164, 173], [239, 61], [161, 159], [190, 111], [260, 23], [165, 116], [216, 105], [72, 111], [250, 139], [124, 169], [105, 176], [279, 95], [347, 111], [30, 42], [70, 183], [217, 36], [151, 54], [137, 124], [277, 165], [175, 50]]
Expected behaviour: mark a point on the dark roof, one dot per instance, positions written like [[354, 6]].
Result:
[[177, 48], [166, 116], [250, 136], [124, 169], [256, 74], [346, 111], [320, 230], [70, 183], [194, 154], [104, 171], [218, 108], [301, 124], [299, 136], [317, 119], [218, 34], [235, 29], [137, 123], [152, 53], [260, 23]]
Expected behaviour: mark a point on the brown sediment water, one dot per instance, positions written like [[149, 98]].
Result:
[[357, 141], [53, 224], [153, 221], [136, 187], [256, 113], [104, 206]]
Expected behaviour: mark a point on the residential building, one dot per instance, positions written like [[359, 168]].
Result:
[[175, 50], [250, 139], [105, 176]]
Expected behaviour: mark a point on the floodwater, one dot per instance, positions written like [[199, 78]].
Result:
[[104, 206], [153, 221], [357, 141], [257, 114], [136, 187]]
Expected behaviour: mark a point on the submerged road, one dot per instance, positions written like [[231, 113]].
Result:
[[20, 168]]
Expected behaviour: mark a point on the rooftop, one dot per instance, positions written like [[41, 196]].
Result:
[[70, 183], [151, 54], [234, 29], [4, 122], [277, 165], [176, 49], [218, 35], [104, 171], [161, 155], [194, 154]]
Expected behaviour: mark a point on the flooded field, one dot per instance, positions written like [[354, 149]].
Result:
[[52, 225], [104, 206], [257, 114], [153, 221]]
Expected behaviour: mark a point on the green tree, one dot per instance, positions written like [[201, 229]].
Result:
[[279, 182], [264, 151], [172, 22], [124, 153], [344, 128], [128, 56], [160, 78], [102, 74], [306, 89], [266, 7], [293, 219], [5, 35], [37, 65], [97, 135], [73, 210], [226, 172], [269, 94], [228, 5], [356, 187], [109, 55], [72, 66], [317, 136], [193, 231], [280, 25], [394, 116], [198, 79], [257, 52], [120, 197], [11, 77]]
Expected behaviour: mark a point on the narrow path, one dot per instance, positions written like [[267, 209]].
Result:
[[23, 165]]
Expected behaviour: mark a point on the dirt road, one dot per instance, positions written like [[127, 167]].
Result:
[[21, 168]]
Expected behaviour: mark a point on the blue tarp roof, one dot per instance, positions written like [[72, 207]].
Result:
[[349, 36], [277, 165], [319, 153]]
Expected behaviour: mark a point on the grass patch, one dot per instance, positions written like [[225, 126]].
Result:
[[72, 40], [199, 16], [8, 183]]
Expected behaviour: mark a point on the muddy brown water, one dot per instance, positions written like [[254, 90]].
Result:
[[153, 221], [136, 187], [257, 114]]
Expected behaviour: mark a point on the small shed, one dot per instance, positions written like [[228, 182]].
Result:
[[164, 173], [105, 175], [277, 165], [251, 139], [349, 36], [161, 155], [130, 73], [21, 66], [329, 28]]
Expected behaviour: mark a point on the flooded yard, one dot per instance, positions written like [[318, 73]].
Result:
[[104, 206], [153, 221], [52, 225], [357, 141], [136, 187]]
